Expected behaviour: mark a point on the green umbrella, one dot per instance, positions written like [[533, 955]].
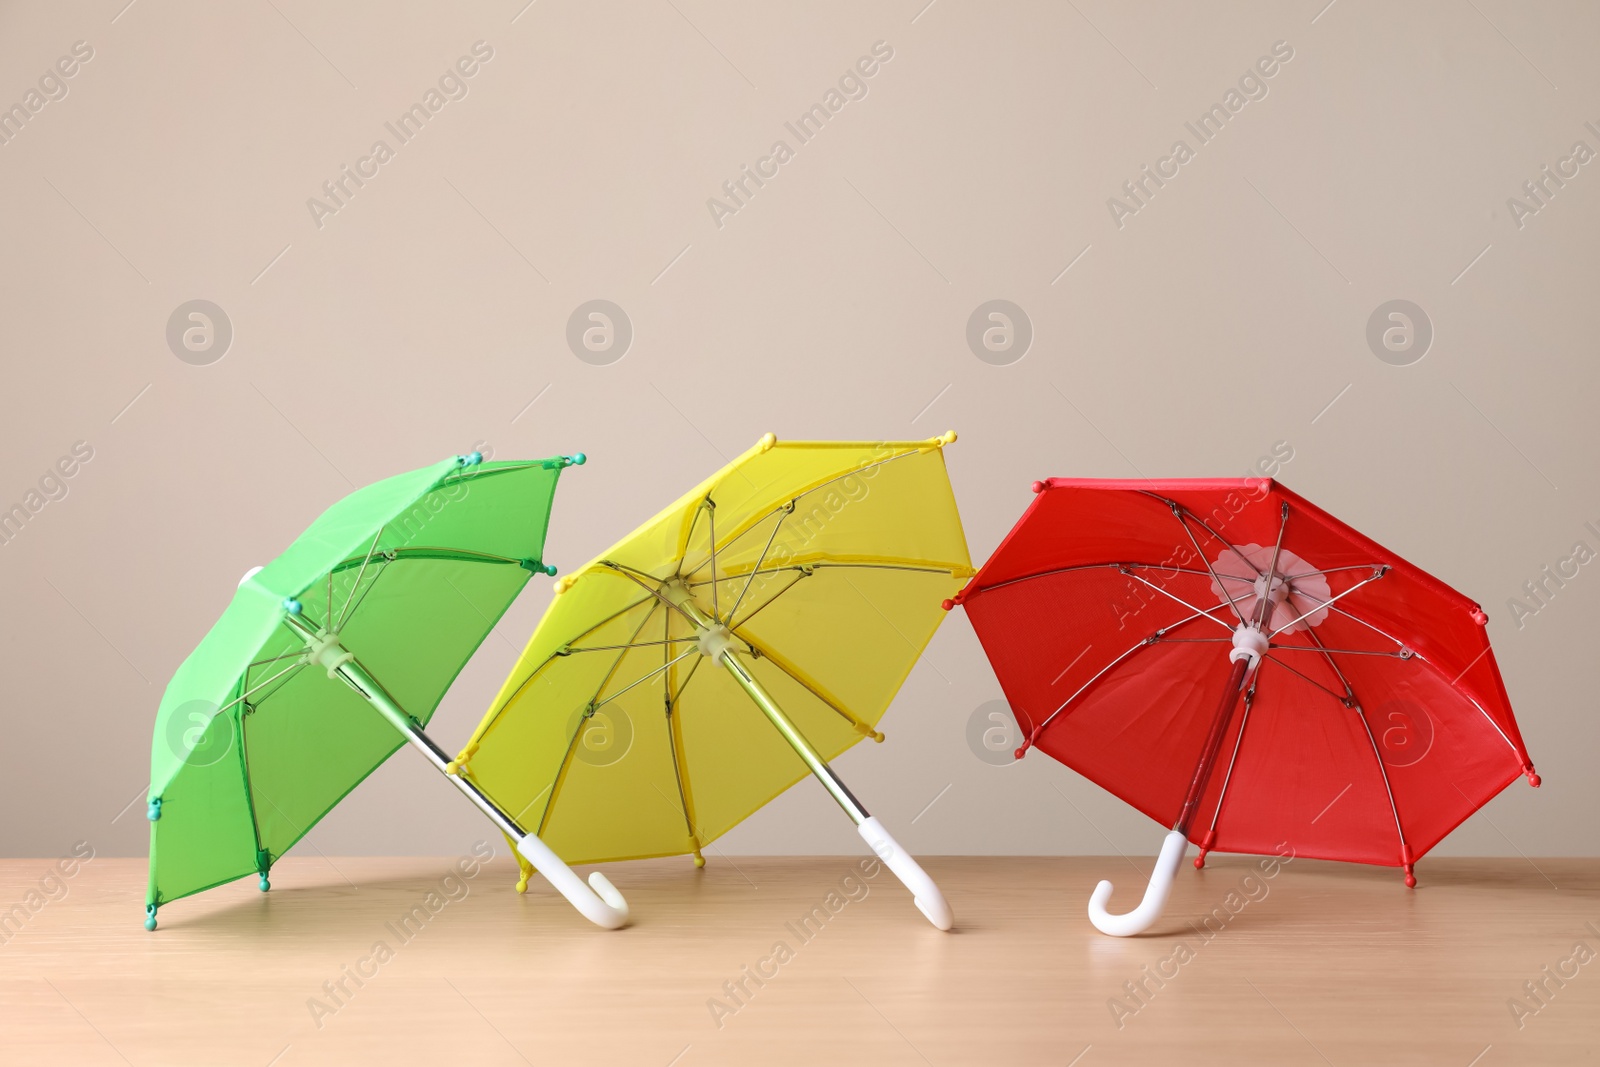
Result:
[[331, 657]]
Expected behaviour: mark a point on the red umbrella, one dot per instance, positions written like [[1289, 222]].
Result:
[[1243, 667]]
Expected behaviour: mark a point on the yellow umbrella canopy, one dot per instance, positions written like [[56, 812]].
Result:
[[810, 574]]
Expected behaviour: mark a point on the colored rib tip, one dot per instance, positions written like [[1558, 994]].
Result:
[[1480, 617], [1038, 487], [578, 459], [1533, 778], [767, 441], [948, 604], [947, 438]]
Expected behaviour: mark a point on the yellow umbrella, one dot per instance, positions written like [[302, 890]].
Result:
[[753, 630]]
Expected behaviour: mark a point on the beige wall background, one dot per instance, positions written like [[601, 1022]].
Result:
[[1223, 319]]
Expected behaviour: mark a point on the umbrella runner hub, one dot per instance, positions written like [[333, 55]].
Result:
[[1249, 643], [714, 641], [325, 651], [712, 637]]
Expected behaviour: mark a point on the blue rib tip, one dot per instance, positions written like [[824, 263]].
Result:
[[291, 605]]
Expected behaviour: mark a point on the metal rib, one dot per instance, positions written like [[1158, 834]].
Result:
[[1147, 642], [1206, 527], [1272, 569], [711, 519], [1361, 713], [816, 488], [1198, 611], [759, 560], [800, 575], [1249, 702], [634, 644], [643, 678], [1337, 651], [1329, 603], [1177, 513], [1309, 680], [357, 583]]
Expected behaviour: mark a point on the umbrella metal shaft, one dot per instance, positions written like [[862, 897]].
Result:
[[353, 673], [791, 733], [598, 900], [1213, 744]]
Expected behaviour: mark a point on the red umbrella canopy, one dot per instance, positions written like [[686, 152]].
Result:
[[1373, 725]]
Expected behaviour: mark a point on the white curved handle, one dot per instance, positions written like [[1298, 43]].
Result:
[[603, 906], [1155, 895], [924, 893]]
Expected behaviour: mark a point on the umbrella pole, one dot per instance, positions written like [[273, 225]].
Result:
[[1213, 745], [924, 891], [716, 641], [601, 905]]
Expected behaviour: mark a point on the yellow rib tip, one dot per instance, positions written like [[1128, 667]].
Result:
[[767, 441], [565, 583], [948, 437]]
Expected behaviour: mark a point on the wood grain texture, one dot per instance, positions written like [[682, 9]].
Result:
[[1319, 964]]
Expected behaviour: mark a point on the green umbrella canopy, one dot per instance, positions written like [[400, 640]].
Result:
[[252, 744]]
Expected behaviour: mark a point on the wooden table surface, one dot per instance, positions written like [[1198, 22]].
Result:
[[1317, 964]]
